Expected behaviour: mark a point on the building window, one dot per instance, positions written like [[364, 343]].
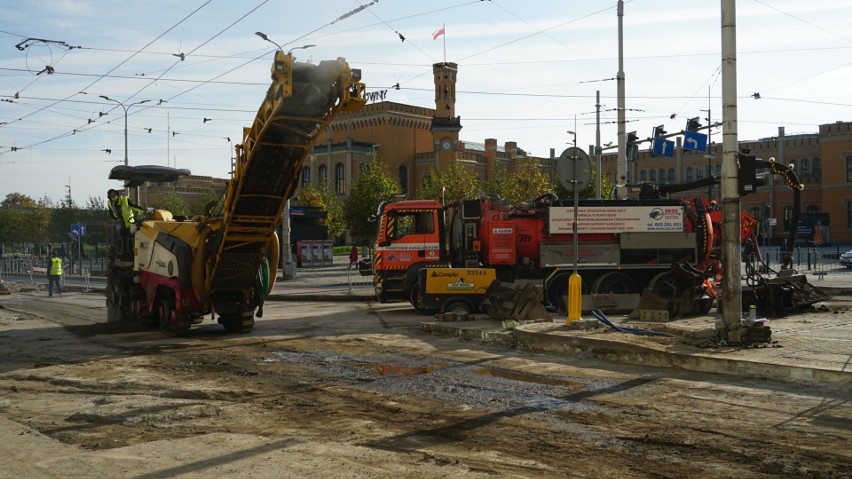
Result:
[[403, 178], [652, 177], [717, 169], [806, 168], [817, 168], [323, 175], [662, 174], [670, 179], [306, 175], [794, 165], [699, 173], [788, 215], [849, 214], [643, 176], [849, 168], [339, 179], [689, 174], [813, 209]]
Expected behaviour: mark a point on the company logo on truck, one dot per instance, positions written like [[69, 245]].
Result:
[[444, 274], [502, 231]]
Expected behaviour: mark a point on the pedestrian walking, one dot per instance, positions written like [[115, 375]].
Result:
[[54, 273], [353, 256]]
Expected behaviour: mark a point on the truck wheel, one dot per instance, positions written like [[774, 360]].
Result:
[[614, 283], [166, 315], [557, 291], [458, 306], [416, 299], [236, 323]]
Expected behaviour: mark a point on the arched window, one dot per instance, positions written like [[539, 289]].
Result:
[[339, 179], [662, 176], [306, 175], [699, 173], [652, 176], [643, 176], [403, 178], [817, 168], [689, 174], [805, 165], [323, 174], [670, 176]]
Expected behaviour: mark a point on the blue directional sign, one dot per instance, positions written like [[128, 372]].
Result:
[[78, 230], [663, 147], [692, 140]]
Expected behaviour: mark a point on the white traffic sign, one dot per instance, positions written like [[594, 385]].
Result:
[[78, 230]]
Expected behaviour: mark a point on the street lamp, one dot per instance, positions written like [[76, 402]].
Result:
[[125, 108], [263, 36]]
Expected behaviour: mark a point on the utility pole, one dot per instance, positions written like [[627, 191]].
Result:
[[621, 168], [731, 254], [708, 150], [598, 151], [781, 160]]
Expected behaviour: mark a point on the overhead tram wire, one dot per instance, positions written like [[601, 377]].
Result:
[[83, 128], [177, 62], [547, 33], [124, 61]]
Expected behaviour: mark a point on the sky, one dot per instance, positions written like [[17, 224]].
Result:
[[529, 72]]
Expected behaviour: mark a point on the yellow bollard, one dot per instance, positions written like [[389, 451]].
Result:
[[575, 297]]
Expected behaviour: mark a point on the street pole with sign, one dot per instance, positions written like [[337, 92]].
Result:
[[575, 171]]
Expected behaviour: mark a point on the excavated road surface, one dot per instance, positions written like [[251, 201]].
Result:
[[348, 390]]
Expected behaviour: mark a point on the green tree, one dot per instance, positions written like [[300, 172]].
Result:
[[451, 184], [198, 204], [320, 196], [374, 185], [170, 200], [523, 181], [14, 217]]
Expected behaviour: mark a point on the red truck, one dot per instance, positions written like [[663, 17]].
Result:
[[624, 244]]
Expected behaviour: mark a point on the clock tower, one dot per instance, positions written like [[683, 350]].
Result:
[[445, 124]]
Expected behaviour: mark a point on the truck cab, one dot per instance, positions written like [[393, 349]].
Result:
[[411, 237]]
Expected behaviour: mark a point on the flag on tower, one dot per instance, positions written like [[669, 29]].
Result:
[[438, 33]]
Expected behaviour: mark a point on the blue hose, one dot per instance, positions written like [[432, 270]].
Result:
[[621, 329]]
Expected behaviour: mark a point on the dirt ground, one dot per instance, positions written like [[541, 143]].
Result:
[[351, 390]]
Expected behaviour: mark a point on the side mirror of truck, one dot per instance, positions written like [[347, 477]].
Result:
[[384, 243]]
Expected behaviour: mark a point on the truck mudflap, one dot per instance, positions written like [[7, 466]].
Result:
[[682, 291]]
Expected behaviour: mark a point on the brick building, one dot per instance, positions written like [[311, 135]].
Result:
[[410, 139]]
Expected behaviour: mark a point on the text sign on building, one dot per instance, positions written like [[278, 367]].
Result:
[[695, 141], [615, 219], [78, 230], [663, 147]]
